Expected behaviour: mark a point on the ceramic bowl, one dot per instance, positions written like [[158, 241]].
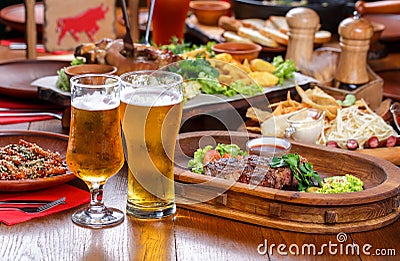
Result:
[[209, 12], [239, 51], [73, 70], [268, 146]]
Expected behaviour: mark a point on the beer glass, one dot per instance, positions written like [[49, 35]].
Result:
[[151, 105], [95, 151]]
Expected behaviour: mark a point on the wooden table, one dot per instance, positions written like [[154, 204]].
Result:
[[188, 236]]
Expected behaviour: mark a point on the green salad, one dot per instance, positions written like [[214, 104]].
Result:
[[196, 164], [284, 69], [201, 77], [62, 80], [177, 47]]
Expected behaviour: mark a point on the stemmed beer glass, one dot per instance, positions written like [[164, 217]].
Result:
[[95, 151]]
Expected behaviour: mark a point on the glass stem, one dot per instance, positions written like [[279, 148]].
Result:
[[96, 204]]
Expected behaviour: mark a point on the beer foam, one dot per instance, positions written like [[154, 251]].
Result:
[[95, 102], [151, 97]]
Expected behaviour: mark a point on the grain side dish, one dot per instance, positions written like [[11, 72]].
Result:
[[27, 160]]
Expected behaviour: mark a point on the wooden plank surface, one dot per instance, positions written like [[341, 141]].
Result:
[[190, 235]]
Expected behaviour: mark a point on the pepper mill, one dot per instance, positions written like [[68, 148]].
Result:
[[355, 34], [303, 23]]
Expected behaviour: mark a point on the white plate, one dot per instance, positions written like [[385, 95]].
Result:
[[49, 82]]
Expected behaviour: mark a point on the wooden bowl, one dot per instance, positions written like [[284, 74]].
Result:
[[239, 51], [208, 12], [376, 206], [73, 70]]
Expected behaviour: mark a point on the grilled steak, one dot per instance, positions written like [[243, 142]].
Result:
[[253, 170]]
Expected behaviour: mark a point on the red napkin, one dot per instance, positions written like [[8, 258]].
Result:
[[10, 103], [39, 48], [73, 197]]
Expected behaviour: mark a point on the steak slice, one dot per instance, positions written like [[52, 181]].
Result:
[[254, 170]]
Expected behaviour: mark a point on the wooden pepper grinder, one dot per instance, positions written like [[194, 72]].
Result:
[[303, 23], [355, 34]]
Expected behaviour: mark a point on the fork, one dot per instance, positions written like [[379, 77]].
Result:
[[28, 114], [32, 210]]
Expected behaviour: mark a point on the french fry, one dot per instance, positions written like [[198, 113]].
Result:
[[257, 115], [330, 108]]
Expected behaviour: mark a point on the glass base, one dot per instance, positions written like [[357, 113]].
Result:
[[150, 213], [111, 217]]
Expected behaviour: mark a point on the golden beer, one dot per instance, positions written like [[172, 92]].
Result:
[[95, 150], [150, 125], [91, 159]]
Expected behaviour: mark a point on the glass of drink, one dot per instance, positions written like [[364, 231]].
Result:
[[169, 20], [95, 151], [151, 105]]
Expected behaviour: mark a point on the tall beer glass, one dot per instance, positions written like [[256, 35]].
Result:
[[151, 102], [95, 151]]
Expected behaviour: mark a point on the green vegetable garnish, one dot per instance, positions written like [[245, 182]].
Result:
[[304, 172], [197, 163], [341, 184], [246, 89], [179, 48], [232, 149], [62, 80], [348, 101], [284, 69], [190, 69]]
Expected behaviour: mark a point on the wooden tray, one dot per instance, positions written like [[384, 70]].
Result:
[[376, 206]]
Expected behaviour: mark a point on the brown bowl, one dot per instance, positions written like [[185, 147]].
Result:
[[73, 70], [239, 51], [208, 12]]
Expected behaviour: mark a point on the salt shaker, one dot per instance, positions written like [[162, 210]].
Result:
[[303, 23], [355, 34]]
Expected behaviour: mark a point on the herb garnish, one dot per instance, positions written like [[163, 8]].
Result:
[[304, 172]]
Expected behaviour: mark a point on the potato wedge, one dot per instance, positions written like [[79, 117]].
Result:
[[264, 79], [259, 65]]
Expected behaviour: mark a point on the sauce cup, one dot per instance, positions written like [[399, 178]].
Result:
[[305, 126], [268, 146]]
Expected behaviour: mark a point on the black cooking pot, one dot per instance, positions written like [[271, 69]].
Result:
[[331, 12]]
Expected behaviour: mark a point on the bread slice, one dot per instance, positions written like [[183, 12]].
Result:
[[229, 23], [275, 35], [257, 37], [322, 37], [269, 24], [253, 23], [280, 23], [233, 37]]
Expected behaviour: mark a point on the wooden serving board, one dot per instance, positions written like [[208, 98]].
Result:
[[391, 154], [376, 206]]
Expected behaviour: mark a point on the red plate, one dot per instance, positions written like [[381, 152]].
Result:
[[46, 140], [14, 16]]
